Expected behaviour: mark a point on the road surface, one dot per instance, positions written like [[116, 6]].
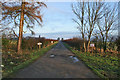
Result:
[[56, 63]]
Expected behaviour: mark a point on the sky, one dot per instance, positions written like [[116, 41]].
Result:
[[57, 22], [57, 17]]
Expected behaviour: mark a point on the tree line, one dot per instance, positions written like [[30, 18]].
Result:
[[93, 19], [97, 19]]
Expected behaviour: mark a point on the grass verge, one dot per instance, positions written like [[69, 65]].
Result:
[[104, 66], [12, 69]]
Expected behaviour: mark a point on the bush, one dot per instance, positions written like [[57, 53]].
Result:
[[29, 44], [8, 44], [77, 43]]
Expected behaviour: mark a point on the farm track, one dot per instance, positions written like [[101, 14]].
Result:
[[59, 65]]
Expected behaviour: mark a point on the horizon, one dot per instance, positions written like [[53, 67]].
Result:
[[55, 35]]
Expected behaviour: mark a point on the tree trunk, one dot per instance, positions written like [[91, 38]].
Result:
[[21, 29], [96, 46], [84, 42], [84, 46], [100, 48], [105, 44], [88, 45]]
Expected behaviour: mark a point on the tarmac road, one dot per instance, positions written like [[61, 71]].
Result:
[[56, 63]]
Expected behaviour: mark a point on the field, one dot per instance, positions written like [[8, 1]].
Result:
[[12, 61], [105, 65]]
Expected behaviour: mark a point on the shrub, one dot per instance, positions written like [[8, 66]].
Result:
[[77, 43]]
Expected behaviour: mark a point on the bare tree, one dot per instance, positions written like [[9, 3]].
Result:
[[109, 23], [22, 12], [94, 13], [87, 15], [79, 10]]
